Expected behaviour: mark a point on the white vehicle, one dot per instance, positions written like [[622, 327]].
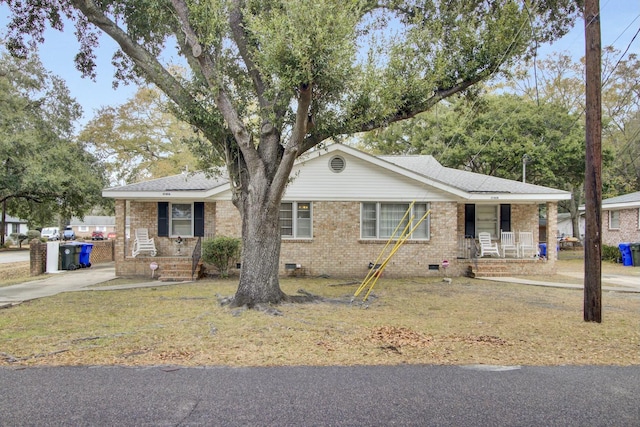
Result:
[[50, 233]]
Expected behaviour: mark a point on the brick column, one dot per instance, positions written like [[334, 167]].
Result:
[[121, 236], [552, 231], [37, 257]]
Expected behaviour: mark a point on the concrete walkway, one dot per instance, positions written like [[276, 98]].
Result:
[[630, 289], [70, 281]]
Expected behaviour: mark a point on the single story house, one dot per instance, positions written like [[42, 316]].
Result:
[[338, 213], [621, 219], [14, 225], [90, 223], [565, 225]]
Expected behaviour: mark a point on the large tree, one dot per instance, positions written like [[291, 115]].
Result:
[[491, 135], [560, 79], [140, 139], [494, 135], [271, 79], [44, 173]]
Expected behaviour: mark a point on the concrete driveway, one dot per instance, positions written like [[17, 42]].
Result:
[[55, 283]]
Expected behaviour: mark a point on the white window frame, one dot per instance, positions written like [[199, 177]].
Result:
[[613, 226], [417, 213], [83, 228], [171, 220], [297, 209]]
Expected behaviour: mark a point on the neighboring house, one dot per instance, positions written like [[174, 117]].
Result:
[[339, 211], [14, 225], [621, 219], [84, 228], [565, 225]]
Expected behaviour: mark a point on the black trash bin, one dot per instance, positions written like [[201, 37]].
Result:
[[69, 256], [635, 253]]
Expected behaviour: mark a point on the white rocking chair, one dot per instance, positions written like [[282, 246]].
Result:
[[487, 247], [143, 243], [525, 243], [508, 243]]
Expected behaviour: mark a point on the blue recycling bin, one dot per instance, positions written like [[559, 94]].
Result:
[[543, 249], [625, 250], [84, 258]]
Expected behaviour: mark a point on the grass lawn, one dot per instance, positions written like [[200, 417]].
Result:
[[421, 321]]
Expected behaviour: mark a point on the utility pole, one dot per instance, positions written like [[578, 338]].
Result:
[[593, 165]]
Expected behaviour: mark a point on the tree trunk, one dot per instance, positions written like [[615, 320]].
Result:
[[259, 282]]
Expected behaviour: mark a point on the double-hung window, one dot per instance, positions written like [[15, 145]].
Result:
[[295, 220], [380, 220], [614, 220], [181, 221]]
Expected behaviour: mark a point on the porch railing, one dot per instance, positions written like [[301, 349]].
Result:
[[195, 256], [467, 248]]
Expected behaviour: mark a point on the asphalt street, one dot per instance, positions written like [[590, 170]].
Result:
[[8, 257], [321, 396]]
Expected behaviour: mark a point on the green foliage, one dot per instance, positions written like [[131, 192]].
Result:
[[490, 135], [44, 171], [220, 252], [140, 139], [33, 234], [560, 80], [19, 238], [611, 253]]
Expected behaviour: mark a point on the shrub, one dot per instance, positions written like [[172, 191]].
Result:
[[220, 252], [33, 234], [611, 253], [18, 238]]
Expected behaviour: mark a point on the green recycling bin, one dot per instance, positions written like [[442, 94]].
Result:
[[69, 256], [635, 253]]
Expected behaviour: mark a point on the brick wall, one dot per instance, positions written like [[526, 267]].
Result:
[[101, 252], [628, 231], [336, 248]]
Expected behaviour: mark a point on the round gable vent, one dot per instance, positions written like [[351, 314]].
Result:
[[337, 164]]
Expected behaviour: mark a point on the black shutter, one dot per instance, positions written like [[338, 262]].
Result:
[[505, 217], [163, 219], [470, 220], [198, 219]]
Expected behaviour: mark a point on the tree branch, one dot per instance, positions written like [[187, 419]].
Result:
[[147, 62], [293, 148], [409, 111], [240, 37]]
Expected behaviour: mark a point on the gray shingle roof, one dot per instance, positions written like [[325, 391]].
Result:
[[196, 181], [625, 198], [94, 220], [470, 182]]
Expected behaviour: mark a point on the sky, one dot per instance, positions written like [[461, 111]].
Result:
[[620, 20]]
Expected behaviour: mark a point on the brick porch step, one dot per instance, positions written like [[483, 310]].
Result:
[[180, 271], [487, 267]]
